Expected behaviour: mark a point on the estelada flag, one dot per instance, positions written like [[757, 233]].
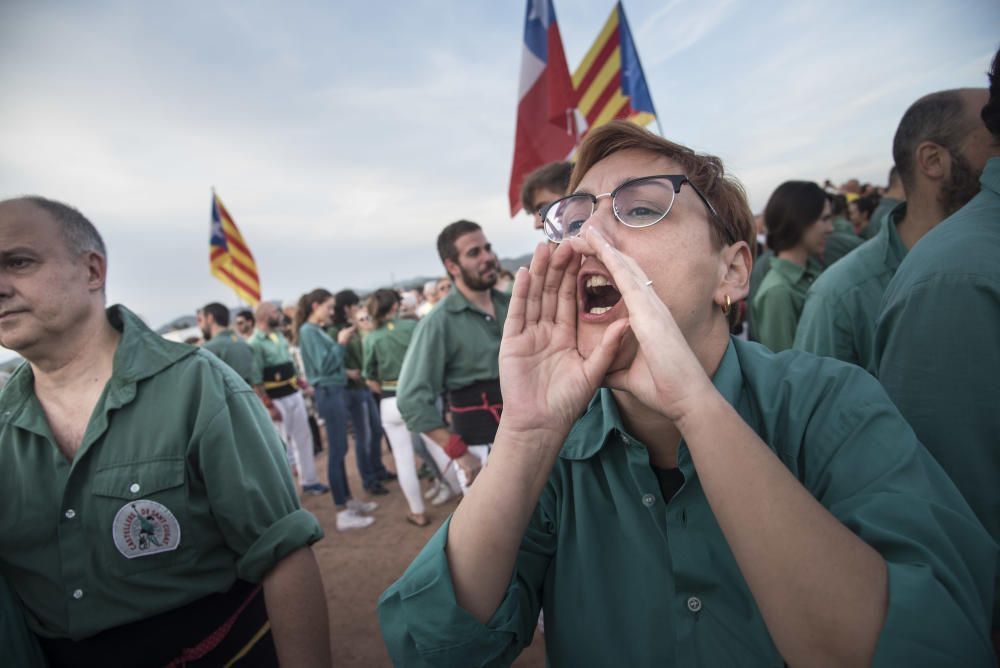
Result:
[[229, 256], [609, 83], [546, 121]]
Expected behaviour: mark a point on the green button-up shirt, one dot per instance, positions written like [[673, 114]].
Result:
[[269, 349], [179, 487], [18, 644], [838, 245], [235, 352], [838, 319], [353, 354], [322, 357], [937, 348], [454, 346], [778, 303], [879, 216], [385, 350], [627, 579]]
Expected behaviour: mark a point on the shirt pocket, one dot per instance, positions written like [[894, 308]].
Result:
[[142, 509]]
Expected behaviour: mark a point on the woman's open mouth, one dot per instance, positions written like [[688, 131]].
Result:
[[598, 295]]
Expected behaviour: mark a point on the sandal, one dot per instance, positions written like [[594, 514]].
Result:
[[417, 520]]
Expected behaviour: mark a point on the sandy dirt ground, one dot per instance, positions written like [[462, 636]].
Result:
[[358, 565]]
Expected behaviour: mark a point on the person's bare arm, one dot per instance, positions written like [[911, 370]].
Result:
[[296, 606]]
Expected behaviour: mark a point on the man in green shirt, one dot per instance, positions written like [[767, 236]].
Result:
[[213, 320], [838, 319], [937, 340], [281, 384], [143, 487], [455, 349]]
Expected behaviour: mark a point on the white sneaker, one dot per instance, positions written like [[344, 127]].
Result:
[[433, 490], [361, 506], [443, 496], [348, 519]]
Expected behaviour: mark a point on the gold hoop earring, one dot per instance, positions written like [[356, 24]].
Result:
[[728, 306]]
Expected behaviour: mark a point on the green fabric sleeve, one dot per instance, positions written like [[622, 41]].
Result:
[[369, 365], [250, 487], [423, 625], [421, 380]]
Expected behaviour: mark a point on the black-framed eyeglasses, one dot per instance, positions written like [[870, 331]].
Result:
[[637, 203]]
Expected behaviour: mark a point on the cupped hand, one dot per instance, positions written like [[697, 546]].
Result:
[[546, 383], [344, 335], [665, 374]]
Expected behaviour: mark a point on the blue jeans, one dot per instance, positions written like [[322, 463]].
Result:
[[367, 436], [331, 402]]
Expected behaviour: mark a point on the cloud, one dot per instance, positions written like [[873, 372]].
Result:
[[679, 25]]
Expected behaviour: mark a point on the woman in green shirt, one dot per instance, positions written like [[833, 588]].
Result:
[[323, 359], [384, 350], [798, 223], [714, 503]]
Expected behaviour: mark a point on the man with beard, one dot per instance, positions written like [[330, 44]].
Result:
[[936, 343], [455, 348], [213, 321], [277, 375], [940, 148]]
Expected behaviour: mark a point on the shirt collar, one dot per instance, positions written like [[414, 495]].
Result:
[[141, 353], [793, 272], [455, 301], [990, 178], [895, 251], [602, 419]]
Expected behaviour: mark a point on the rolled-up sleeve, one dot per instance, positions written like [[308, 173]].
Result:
[[423, 625], [250, 488]]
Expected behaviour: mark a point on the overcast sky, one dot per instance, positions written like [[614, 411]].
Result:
[[343, 136]]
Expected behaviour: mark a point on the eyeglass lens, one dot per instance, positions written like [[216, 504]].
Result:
[[639, 203]]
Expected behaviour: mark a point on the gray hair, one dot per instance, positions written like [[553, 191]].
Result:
[[79, 233]]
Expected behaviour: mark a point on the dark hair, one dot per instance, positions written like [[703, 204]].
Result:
[[218, 312], [838, 204], [247, 314], [79, 233], [304, 308], [991, 112], [734, 221], [341, 301], [940, 118], [379, 304], [893, 176], [867, 204], [793, 207], [553, 176], [450, 234]]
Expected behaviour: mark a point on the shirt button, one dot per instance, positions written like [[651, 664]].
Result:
[[134, 488], [694, 604], [78, 594], [648, 500], [70, 514]]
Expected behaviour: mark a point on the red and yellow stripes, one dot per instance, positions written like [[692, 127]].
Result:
[[231, 260], [598, 80]]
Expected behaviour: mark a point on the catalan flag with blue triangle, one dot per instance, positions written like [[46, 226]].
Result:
[[609, 83], [230, 258]]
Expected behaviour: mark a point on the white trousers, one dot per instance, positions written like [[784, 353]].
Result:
[[452, 474], [402, 453], [294, 428]]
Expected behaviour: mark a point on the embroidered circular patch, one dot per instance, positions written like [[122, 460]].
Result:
[[145, 527]]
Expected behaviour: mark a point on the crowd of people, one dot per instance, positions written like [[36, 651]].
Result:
[[684, 435]]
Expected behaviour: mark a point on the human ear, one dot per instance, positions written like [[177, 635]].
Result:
[[97, 271], [452, 268], [932, 160], [737, 262]]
